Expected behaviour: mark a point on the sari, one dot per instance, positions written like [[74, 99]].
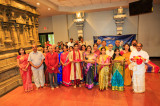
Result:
[[103, 71], [90, 69], [66, 69], [26, 75], [59, 75], [118, 75], [128, 73]]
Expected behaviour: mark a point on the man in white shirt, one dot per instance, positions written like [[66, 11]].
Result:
[[71, 43], [139, 70], [110, 52]]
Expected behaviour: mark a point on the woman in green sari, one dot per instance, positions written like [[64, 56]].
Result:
[[118, 71]]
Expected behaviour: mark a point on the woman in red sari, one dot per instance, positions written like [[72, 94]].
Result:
[[66, 66], [25, 70]]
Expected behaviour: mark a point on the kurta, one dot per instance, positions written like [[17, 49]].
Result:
[[139, 71], [78, 65], [51, 61]]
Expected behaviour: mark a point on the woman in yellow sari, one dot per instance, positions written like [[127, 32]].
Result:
[[104, 62], [118, 71], [128, 73]]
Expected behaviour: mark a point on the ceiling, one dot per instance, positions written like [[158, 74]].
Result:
[[58, 7]]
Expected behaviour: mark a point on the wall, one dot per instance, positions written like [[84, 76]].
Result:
[[45, 22], [102, 23]]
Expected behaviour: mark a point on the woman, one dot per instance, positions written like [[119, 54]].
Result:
[[95, 49], [90, 60], [66, 66], [59, 75], [97, 52], [118, 71], [25, 70], [128, 73], [45, 51], [104, 62], [83, 48]]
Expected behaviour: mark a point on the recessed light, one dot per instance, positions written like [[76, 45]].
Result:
[[38, 4], [49, 8]]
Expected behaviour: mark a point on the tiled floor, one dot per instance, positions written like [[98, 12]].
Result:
[[68, 96]]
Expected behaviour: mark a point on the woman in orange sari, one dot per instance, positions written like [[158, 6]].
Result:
[[25, 70], [128, 73]]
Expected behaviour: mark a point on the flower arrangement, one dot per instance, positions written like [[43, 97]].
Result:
[[138, 59]]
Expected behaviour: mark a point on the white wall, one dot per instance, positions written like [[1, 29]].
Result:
[[60, 28], [45, 22], [102, 23]]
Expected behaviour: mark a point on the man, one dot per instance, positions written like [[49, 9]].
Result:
[[103, 45], [52, 61], [133, 46], [117, 45], [99, 43], [71, 43], [36, 59], [139, 69], [110, 52], [75, 57], [47, 43]]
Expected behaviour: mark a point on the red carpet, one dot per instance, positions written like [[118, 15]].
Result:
[[68, 96]]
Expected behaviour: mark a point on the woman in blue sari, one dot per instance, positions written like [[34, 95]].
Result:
[[59, 75], [118, 63]]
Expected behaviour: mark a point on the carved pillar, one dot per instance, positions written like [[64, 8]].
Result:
[[22, 39], [14, 35], [18, 33], [2, 36], [79, 20], [31, 34], [7, 41]]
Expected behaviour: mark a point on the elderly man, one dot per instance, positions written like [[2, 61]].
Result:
[[139, 69], [99, 43], [36, 59], [52, 61], [103, 45], [117, 45], [110, 52]]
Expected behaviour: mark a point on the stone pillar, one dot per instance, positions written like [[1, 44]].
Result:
[[31, 34], [7, 41], [18, 33], [79, 23], [2, 36], [14, 35]]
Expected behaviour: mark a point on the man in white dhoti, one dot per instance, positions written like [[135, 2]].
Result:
[[75, 57], [139, 69]]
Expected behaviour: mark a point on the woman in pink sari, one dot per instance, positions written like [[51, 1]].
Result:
[[66, 66], [25, 70]]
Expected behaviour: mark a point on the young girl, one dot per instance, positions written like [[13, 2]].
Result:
[[118, 71]]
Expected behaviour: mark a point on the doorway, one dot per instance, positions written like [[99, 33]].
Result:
[[43, 37]]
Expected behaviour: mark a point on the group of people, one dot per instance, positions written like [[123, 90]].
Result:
[[74, 63]]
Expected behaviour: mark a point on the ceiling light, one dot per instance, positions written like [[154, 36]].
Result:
[[49, 8], [38, 4]]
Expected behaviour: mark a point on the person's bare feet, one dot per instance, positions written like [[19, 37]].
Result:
[[74, 86], [52, 88], [80, 85], [57, 87]]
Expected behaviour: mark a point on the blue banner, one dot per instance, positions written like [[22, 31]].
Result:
[[111, 39]]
